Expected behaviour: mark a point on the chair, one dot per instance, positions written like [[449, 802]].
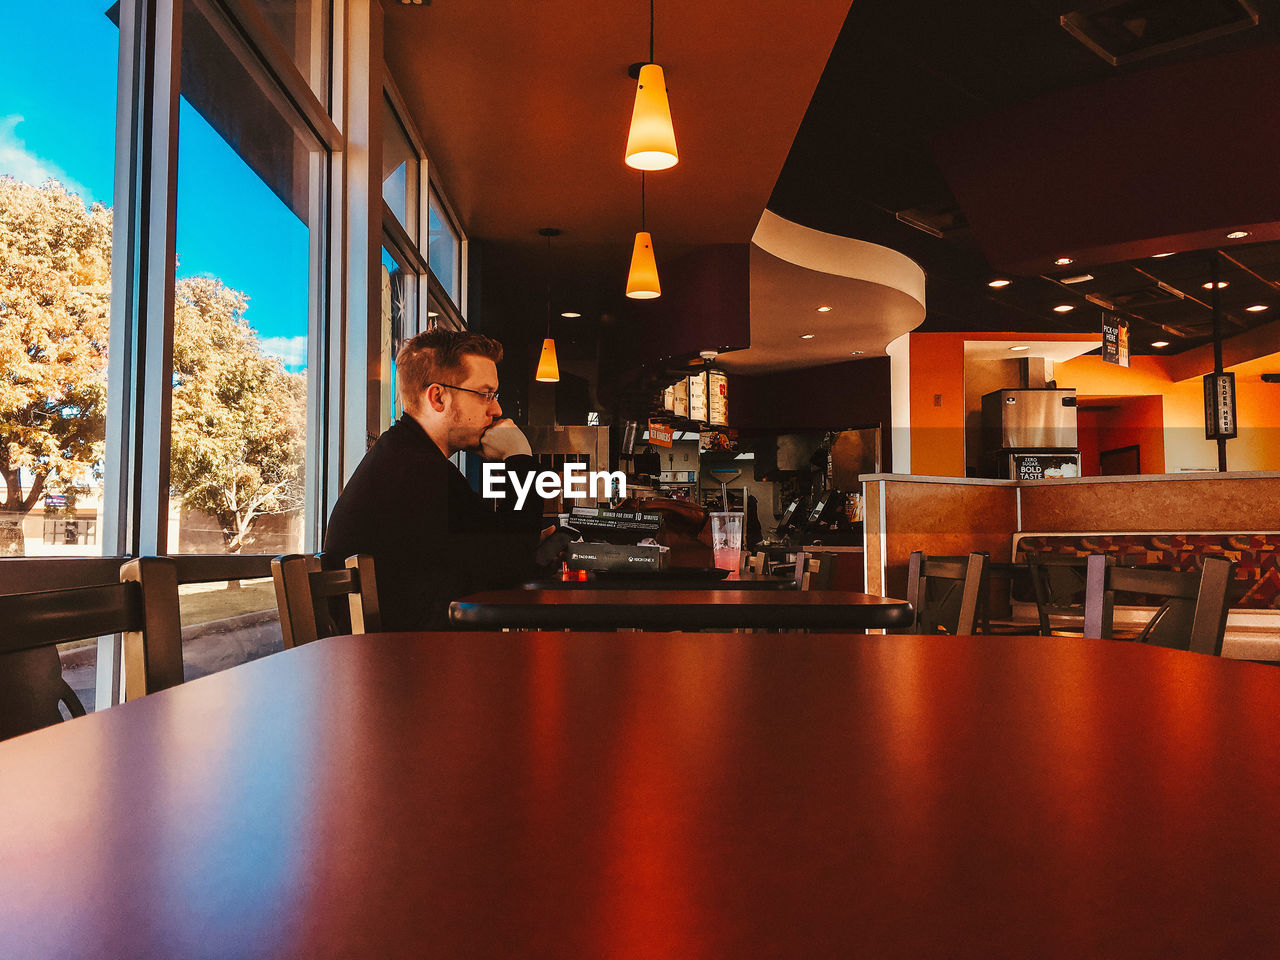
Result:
[[1058, 581], [143, 607], [814, 573], [753, 563], [303, 591], [1192, 617], [944, 592]]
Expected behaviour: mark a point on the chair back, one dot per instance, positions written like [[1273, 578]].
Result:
[[304, 589], [814, 572], [1059, 584], [944, 592], [1192, 616], [143, 607]]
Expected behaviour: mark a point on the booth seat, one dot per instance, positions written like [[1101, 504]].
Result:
[[1253, 626]]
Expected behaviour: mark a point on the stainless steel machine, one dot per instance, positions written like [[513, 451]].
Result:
[[1030, 434]]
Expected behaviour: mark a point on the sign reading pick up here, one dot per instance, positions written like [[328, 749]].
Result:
[[1115, 339]]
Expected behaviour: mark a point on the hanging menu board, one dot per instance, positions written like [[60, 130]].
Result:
[[698, 397], [680, 399], [718, 398], [669, 399]]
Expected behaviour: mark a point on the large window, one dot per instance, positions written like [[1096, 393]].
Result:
[[444, 249], [57, 149], [239, 370], [245, 301], [400, 167], [57, 168], [302, 27], [399, 310]]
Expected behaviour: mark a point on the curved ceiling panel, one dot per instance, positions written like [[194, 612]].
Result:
[[874, 294]]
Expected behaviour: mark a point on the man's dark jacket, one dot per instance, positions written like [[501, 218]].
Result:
[[433, 538]]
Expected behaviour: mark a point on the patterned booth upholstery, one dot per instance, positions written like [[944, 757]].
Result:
[[1256, 555]]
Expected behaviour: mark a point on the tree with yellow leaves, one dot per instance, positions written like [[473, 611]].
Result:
[[55, 297], [239, 418]]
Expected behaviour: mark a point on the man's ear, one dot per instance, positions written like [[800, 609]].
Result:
[[433, 397]]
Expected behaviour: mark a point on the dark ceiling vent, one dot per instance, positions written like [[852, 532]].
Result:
[[1121, 31], [937, 221]]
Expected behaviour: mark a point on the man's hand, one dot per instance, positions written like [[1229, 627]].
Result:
[[553, 548], [503, 439]]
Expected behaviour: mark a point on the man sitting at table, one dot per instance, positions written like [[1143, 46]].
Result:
[[433, 539]]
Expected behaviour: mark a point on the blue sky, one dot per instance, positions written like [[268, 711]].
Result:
[[57, 119]]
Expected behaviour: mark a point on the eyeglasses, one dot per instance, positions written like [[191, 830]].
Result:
[[489, 395]]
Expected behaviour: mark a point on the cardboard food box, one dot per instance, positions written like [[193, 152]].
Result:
[[613, 557], [615, 526]]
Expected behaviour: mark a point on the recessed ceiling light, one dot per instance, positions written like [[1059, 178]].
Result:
[[1237, 234], [824, 309], [806, 336], [1159, 343], [1063, 261], [1157, 256], [1221, 284], [1257, 308], [999, 283], [1064, 308], [1078, 278], [1020, 348], [571, 314], [858, 353]]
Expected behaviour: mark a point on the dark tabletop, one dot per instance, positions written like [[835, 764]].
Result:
[[577, 795], [750, 581], [703, 608]]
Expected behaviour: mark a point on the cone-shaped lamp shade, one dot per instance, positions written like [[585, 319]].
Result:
[[642, 280], [651, 144], [548, 368]]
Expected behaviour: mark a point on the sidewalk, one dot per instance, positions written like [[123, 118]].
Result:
[[206, 648]]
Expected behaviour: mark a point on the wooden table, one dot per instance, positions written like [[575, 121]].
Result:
[[577, 795], [701, 609], [735, 581]]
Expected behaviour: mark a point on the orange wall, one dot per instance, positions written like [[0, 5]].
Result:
[[938, 407], [937, 399], [1257, 409], [1135, 421], [937, 404]]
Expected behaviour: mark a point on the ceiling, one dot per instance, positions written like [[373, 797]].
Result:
[[995, 128], [817, 298], [525, 108], [998, 134]]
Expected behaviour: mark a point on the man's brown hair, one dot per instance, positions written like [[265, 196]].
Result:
[[436, 357]]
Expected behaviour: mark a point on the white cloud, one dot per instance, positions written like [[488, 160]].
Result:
[[292, 351], [20, 163]]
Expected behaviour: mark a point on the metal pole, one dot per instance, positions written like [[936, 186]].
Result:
[[1217, 348]]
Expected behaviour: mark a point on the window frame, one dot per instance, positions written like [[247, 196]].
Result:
[[140, 362], [434, 190]]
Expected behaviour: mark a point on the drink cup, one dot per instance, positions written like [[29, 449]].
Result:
[[726, 539]]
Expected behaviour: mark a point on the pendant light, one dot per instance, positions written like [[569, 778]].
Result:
[[651, 141], [548, 367], [642, 279]]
